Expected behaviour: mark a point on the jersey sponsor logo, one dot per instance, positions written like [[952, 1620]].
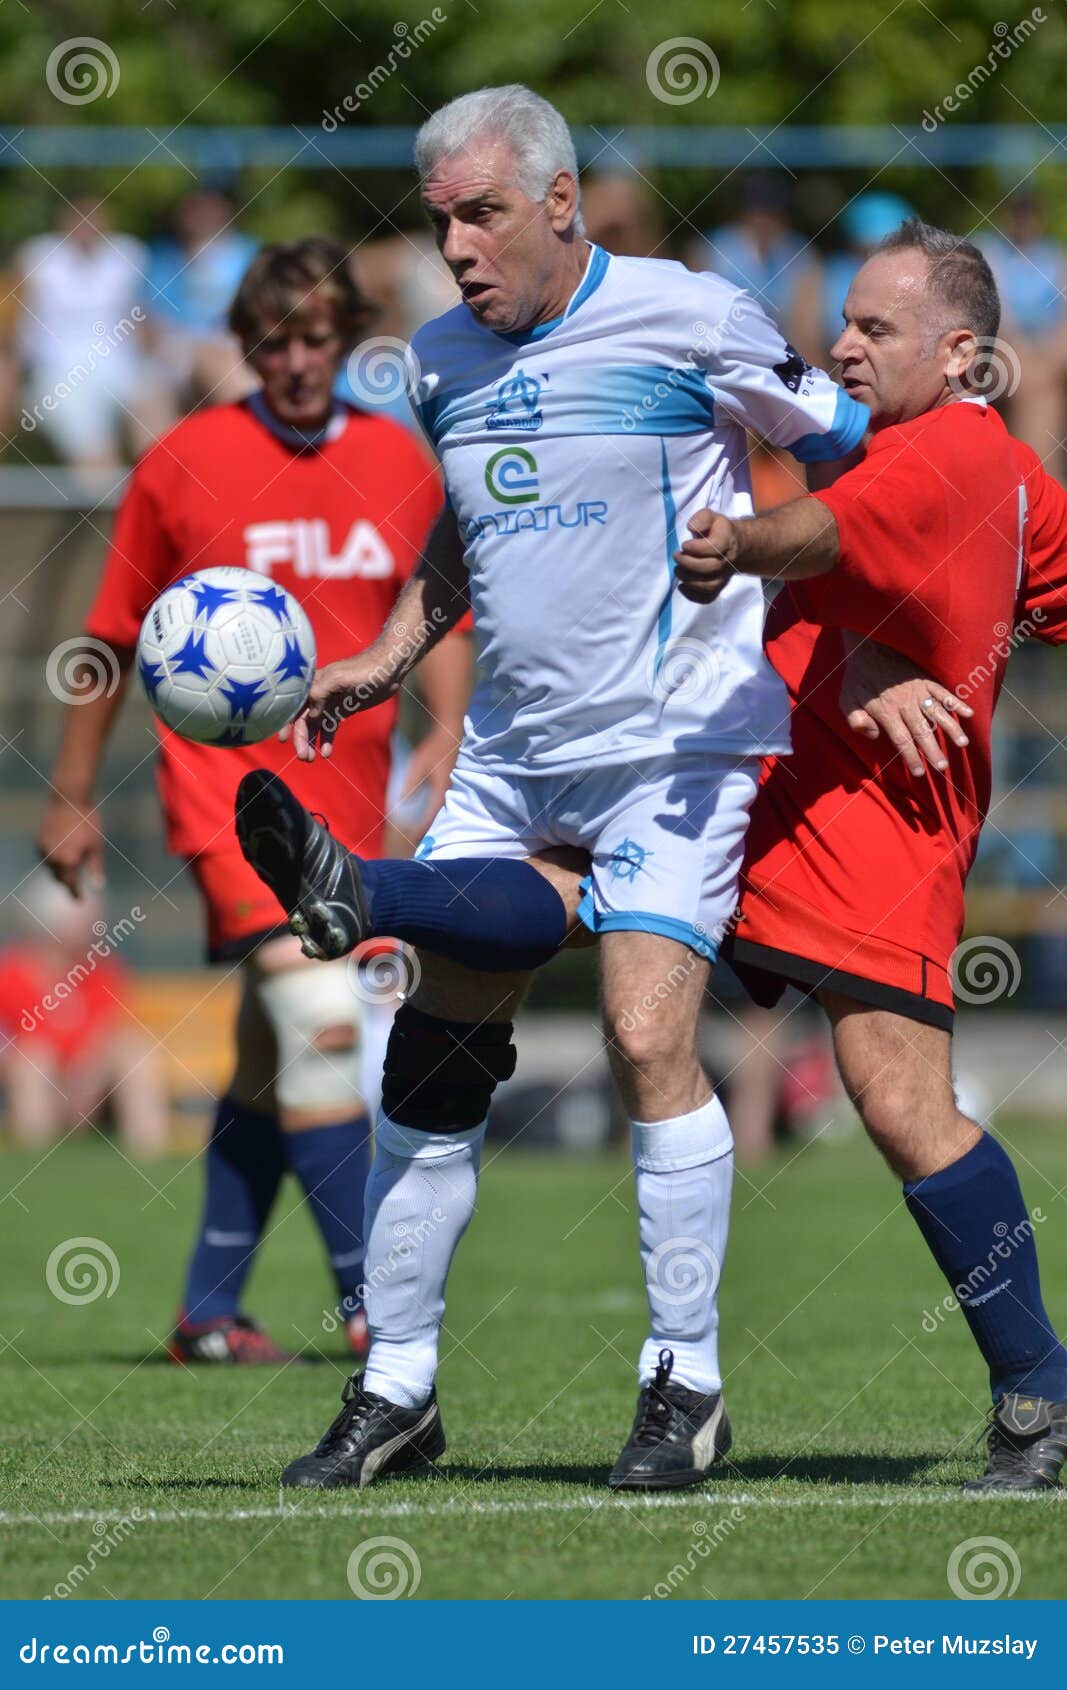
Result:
[[511, 476], [304, 544], [516, 404], [535, 519]]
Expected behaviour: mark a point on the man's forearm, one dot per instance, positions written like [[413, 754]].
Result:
[[84, 736], [433, 601], [788, 544]]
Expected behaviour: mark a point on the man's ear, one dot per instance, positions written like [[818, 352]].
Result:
[[562, 201], [962, 350]]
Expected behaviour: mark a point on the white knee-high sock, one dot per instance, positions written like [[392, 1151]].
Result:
[[684, 1172], [419, 1199]]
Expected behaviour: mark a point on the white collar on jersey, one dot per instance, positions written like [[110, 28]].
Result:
[[302, 439]]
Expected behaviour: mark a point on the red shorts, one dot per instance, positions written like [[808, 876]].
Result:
[[241, 912], [780, 940]]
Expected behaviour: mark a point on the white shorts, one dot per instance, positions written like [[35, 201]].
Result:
[[666, 836]]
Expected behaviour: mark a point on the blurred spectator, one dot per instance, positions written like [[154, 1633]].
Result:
[[865, 221], [623, 216], [191, 279], [761, 252], [1031, 273], [410, 283], [76, 336], [68, 1042]]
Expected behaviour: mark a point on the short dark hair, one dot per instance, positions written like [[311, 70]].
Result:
[[280, 278], [958, 274]]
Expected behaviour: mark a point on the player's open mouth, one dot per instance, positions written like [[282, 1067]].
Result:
[[474, 292]]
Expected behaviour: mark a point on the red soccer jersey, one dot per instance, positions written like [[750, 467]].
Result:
[[340, 527], [66, 1008], [936, 526]]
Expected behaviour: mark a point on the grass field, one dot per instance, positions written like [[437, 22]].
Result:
[[853, 1423]]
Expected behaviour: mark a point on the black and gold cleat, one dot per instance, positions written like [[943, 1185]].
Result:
[[1027, 1445]]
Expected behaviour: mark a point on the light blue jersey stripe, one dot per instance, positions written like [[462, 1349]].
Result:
[[670, 520]]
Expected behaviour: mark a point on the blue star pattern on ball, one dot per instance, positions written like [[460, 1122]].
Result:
[[151, 674], [293, 666], [191, 658], [274, 600], [241, 695], [628, 859], [208, 598]]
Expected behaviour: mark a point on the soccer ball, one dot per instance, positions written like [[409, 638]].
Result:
[[226, 657]]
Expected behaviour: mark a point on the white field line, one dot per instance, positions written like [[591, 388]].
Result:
[[705, 1503]]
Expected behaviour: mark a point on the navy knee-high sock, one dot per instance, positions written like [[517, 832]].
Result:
[[332, 1163], [973, 1218], [484, 912], [243, 1166]]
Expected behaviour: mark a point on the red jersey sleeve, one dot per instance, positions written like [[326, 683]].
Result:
[[892, 581], [142, 558], [1043, 597]]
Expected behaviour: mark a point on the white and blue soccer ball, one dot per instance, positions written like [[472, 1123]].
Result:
[[226, 656]]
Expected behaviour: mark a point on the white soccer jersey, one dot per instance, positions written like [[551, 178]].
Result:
[[574, 455]]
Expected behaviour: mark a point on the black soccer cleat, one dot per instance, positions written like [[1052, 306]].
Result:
[[1027, 1445], [316, 881], [370, 1436], [677, 1435]]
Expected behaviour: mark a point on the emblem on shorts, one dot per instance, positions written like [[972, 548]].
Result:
[[628, 859]]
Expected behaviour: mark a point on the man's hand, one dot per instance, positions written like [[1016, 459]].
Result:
[[340, 690], [71, 844], [884, 692], [706, 562], [429, 767]]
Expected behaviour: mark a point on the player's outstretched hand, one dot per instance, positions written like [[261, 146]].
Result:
[[338, 690], [71, 844], [884, 692], [706, 560]]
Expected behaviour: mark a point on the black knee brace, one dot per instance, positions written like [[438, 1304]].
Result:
[[440, 1075]]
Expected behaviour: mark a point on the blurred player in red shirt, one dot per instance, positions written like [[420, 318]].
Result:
[[937, 545], [69, 1041], [334, 504]]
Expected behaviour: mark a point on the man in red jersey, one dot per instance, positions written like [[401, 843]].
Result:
[[334, 505], [934, 546]]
